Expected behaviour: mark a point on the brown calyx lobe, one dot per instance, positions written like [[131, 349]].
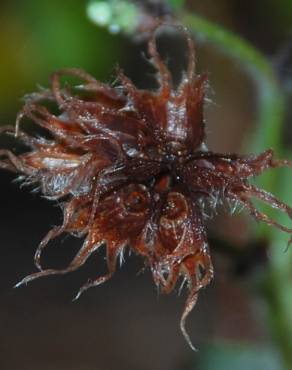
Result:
[[176, 120], [172, 221], [185, 126], [173, 117]]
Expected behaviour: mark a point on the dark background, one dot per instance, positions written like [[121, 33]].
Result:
[[126, 324]]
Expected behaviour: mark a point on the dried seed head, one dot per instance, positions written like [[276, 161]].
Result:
[[136, 178]]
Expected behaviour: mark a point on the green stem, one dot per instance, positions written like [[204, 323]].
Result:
[[268, 134]]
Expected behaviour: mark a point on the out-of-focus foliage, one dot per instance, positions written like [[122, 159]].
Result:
[[177, 3], [114, 14], [38, 37], [279, 12], [225, 356]]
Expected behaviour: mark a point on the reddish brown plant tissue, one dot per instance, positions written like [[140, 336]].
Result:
[[132, 171]]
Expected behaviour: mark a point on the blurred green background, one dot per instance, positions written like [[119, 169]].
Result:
[[244, 319]]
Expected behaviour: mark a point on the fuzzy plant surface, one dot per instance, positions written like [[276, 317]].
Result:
[[132, 170]]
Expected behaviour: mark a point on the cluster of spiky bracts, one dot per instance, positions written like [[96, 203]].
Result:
[[132, 171]]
